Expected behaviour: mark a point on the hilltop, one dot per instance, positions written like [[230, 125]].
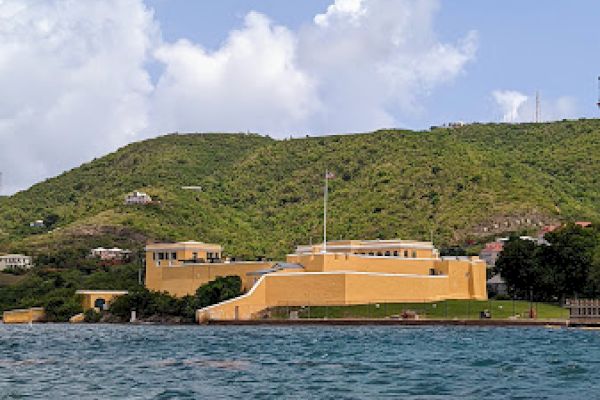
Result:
[[261, 196]]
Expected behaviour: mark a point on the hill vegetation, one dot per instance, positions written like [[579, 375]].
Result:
[[261, 197]]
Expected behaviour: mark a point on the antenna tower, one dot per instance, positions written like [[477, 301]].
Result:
[[538, 107]]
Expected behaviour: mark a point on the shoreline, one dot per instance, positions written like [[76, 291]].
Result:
[[353, 322], [399, 322]]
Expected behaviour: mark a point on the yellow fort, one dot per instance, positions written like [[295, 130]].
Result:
[[340, 273]]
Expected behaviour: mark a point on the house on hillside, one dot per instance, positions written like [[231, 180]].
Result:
[[111, 256], [15, 262], [491, 252], [38, 223], [137, 198]]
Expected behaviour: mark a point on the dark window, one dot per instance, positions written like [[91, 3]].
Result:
[[396, 253], [387, 253], [173, 256], [405, 253], [379, 254], [161, 256]]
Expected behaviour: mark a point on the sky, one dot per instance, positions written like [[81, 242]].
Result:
[[79, 79]]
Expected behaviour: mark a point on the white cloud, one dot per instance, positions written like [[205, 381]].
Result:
[[510, 102], [251, 83], [76, 85], [73, 83], [518, 107], [374, 60]]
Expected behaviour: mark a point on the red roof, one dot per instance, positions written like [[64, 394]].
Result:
[[494, 246], [549, 228]]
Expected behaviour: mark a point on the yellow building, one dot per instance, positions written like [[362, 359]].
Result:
[[24, 316], [348, 272], [181, 268], [99, 299]]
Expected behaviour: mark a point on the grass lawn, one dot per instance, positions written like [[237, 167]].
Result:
[[10, 279], [450, 309]]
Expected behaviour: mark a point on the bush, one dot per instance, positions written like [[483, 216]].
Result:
[[60, 309], [221, 289], [91, 316]]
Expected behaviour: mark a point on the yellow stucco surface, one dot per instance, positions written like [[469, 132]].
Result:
[[350, 272], [23, 316], [89, 297]]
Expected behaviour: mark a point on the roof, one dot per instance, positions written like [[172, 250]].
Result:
[[119, 292], [549, 228], [496, 279], [494, 246], [183, 245], [584, 224]]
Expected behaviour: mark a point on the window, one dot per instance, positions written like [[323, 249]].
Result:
[[414, 254], [387, 254], [173, 256], [195, 255], [371, 254], [379, 254], [405, 253], [161, 256], [396, 253]]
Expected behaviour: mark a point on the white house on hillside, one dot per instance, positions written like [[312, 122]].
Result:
[[15, 261], [137, 198]]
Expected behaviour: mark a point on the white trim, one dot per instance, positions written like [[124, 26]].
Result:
[[374, 257], [102, 292], [185, 265]]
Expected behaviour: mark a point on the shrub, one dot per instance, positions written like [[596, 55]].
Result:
[[91, 316]]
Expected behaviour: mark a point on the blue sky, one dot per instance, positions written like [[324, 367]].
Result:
[[81, 79], [551, 46]]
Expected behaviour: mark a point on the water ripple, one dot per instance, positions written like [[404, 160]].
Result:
[[170, 362]]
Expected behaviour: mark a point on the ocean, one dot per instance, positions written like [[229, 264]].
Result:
[[56, 361]]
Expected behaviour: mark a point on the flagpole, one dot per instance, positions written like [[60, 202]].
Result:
[[325, 214]]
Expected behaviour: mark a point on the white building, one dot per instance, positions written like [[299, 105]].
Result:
[[137, 198], [38, 223], [15, 261], [114, 254]]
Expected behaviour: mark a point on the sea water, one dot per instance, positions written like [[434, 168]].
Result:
[[361, 362]]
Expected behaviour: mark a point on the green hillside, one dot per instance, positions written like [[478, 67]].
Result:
[[261, 196]]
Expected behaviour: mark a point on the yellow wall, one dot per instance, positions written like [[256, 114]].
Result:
[[331, 278], [329, 288], [89, 298], [23, 316], [184, 279]]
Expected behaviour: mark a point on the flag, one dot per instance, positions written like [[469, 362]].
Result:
[[329, 175]]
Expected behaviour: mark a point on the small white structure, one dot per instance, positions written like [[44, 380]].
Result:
[[114, 254], [15, 261], [38, 223], [138, 198]]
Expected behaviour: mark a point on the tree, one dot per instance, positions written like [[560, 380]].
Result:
[[518, 265], [567, 261], [221, 289]]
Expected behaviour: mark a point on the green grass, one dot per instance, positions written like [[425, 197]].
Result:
[[451, 309]]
